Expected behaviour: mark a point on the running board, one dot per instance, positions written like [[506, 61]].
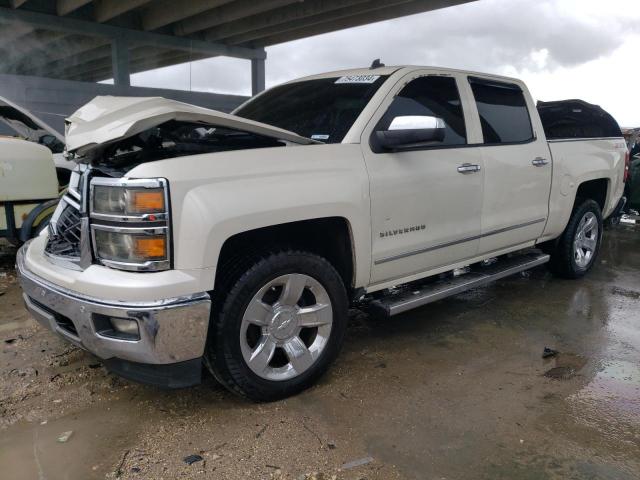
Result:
[[437, 290]]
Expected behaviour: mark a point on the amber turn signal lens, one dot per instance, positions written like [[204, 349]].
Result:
[[148, 201], [150, 247]]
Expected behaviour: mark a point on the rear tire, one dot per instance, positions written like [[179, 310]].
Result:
[[280, 324], [576, 251]]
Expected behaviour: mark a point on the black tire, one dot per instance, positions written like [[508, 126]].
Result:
[[223, 353], [563, 260]]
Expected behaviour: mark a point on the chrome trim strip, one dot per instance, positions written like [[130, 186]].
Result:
[[150, 230], [560, 140], [159, 217], [129, 182], [85, 243], [456, 242], [69, 201]]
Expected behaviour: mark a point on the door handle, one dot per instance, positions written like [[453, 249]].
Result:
[[468, 168], [539, 161]]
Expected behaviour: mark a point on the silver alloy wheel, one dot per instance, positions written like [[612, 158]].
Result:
[[585, 240], [286, 327]]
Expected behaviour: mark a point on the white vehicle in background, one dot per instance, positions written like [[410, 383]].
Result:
[[32, 172], [19, 122], [190, 237]]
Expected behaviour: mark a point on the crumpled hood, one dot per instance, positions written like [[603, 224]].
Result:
[[107, 119]]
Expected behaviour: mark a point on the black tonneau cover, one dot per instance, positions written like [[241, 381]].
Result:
[[576, 119]]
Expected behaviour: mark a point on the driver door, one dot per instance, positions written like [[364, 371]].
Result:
[[426, 201]]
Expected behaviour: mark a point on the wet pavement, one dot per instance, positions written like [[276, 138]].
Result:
[[455, 390]]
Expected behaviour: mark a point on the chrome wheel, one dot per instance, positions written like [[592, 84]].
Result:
[[585, 241], [286, 327]]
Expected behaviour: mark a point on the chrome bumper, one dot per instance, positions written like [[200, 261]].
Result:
[[170, 330]]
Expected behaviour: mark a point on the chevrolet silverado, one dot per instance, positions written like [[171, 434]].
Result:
[[190, 237]]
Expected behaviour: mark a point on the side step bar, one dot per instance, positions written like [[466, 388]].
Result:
[[437, 290]]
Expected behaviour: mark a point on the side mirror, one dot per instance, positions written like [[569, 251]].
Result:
[[409, 131]]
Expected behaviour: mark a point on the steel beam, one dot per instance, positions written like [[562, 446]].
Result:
[[228, 13], [257, 76], [105, 10], [165, 12], [71, 25], [416, 6], [277, 16], [64, 7], [120, 61], [323, 18]]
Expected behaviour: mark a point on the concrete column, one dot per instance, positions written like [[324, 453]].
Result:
[[120, 61], [257, 75]]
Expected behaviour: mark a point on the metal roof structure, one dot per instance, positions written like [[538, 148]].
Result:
[[93, 40]]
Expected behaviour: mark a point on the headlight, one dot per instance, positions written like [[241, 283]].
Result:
[[128, 202], [130, 223], [131, 245]]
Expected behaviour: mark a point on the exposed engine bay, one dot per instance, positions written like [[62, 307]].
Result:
[[174, 139]]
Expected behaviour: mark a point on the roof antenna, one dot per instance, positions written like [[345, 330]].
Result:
[[376, 64]]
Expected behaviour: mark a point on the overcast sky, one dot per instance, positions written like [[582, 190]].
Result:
[[588, 49]]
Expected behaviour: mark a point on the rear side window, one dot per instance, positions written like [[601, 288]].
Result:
[[503, 112], [432, 97], [576, 119]]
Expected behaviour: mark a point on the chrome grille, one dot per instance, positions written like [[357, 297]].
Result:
[[65, 228], [64, 238]]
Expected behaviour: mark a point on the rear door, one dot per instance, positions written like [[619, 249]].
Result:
[[517, 165]]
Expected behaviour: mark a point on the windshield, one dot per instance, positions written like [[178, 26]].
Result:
[[322, 109]]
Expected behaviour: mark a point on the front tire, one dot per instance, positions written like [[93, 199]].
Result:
[[281, 323], [578, 247]]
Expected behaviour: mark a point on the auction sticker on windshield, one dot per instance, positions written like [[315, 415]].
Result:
[[358, 79]]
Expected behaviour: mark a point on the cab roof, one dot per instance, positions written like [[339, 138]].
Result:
[[391, 69]]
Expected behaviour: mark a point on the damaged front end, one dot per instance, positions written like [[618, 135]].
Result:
[[115, 134], [107, 218]]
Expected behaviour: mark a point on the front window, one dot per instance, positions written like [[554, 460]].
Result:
[[431, 96], [322, 109]]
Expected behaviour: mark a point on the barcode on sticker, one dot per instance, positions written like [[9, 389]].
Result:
[[358, 79]]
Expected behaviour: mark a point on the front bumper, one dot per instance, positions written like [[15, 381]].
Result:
[[172, 331]]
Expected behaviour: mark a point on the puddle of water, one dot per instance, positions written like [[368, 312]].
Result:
[[560, 373], [100, 436], [566, 366], [616, 387], [610, 404]]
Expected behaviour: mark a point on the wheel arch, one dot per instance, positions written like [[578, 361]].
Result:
[[595, 189], [328, 237]]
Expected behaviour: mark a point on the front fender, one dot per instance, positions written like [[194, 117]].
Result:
[[217, 196]]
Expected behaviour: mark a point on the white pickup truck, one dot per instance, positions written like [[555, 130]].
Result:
[[191, 237]]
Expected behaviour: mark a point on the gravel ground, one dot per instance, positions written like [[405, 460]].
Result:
[[458, 389]]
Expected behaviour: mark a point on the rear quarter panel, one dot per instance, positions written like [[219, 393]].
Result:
[[576, 162]]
